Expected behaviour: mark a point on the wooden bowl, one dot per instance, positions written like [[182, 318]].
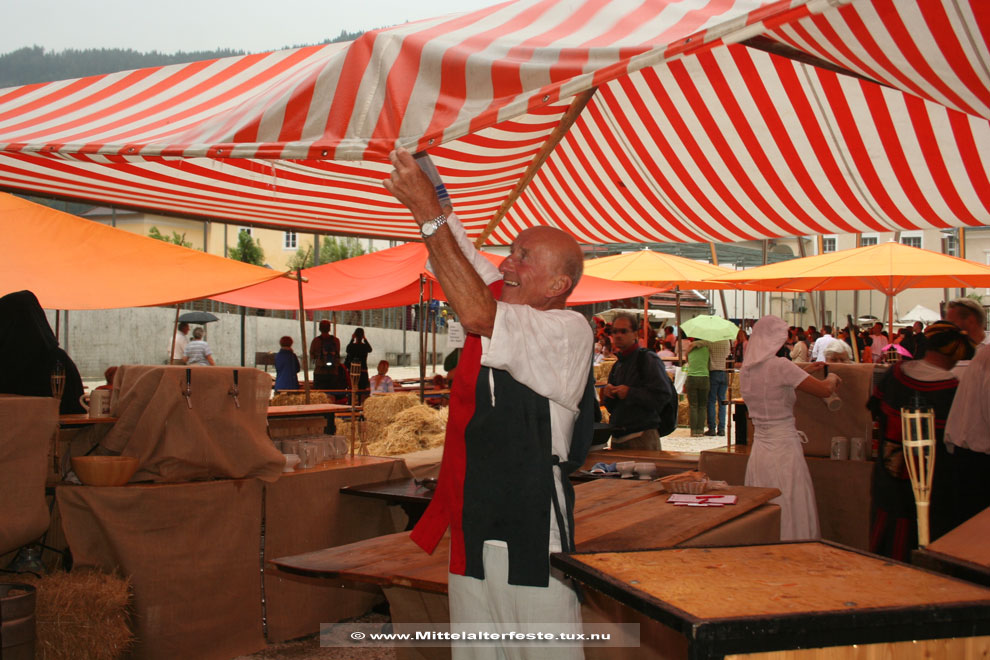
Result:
[[104, 470]]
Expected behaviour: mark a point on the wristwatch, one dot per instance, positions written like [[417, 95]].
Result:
[[431, 227]]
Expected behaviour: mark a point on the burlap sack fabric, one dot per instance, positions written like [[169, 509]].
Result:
[[214, 439], [27, 426], [852, 420]]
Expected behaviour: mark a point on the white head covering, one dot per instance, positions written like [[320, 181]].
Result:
[[769, 334]]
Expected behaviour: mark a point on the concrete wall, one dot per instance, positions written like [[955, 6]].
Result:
[[98, 339]]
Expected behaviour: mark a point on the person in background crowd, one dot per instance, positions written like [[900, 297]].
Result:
[[769, 384], [920, 342], [358, 350], [818, 348], [109, 376], [181, 339], [669, 338], [928, 382], [697, 386], [198, 352], [32, 353], [970, 316], [812, 336], [866, 356], [324, 352], [286, 366], [880, 341], [718, 383], [633, 388], [799, 352], [381, 383], [967, 439]]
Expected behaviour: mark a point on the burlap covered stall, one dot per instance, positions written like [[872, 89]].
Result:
[[851, 420], [192, 552], [27, 426], [214, 438], [305, 511]]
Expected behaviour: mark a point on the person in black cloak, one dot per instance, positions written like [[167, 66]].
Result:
[[31, 352]]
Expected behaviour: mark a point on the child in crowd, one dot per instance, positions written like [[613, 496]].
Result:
[[286, 366], [381, 383]]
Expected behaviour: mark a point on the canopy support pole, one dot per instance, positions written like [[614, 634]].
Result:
[[58, 317], [433, 327], [721, 292], [175, 329], [646, 320], [421, 336], [243, 322], [573, 112], [302, 331], [680, 333]]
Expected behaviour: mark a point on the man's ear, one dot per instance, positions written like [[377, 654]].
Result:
[[559, 286]]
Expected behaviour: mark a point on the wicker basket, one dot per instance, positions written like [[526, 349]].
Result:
[[686, 487]]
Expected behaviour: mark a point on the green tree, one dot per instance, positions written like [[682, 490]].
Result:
[[331, 249], [248, 250], [177, 238]]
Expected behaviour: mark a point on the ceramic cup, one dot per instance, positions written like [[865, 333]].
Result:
[[97, 404], [857, 449], [626, 468], [646, 470], [840, 448]]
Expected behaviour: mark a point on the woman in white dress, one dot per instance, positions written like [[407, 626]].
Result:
[[776, 460]]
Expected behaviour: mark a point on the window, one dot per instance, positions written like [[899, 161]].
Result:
[[290, 240], [828, 244], [951, 245], [246, 230], [912, 239], [867, 240]]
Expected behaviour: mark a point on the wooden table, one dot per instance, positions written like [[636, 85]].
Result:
[[412, 497], [309, 409], [961, 553], [82, 419], [609, 514], [734, 601]]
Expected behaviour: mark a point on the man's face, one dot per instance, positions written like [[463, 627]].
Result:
[[967, 323], [623, 336], [875, 330], [529, 271]]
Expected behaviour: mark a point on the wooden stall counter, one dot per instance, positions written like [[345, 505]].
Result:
[[768, 599], [195, 553], [962, 552], [843, 490]]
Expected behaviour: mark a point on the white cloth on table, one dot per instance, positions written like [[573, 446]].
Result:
[[969, 417]]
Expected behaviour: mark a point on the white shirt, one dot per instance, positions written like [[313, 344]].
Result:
[[969, 419], [768, 388], [181, 340], [818, 349]]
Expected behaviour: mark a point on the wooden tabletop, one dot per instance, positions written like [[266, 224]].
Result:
[[83, 419], [608, 514], [310, 409], [395, 491], [769, 596]]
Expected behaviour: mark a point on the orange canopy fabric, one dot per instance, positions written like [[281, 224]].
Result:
[[886, 267], [72, 263], [663, 271], [389, 278]]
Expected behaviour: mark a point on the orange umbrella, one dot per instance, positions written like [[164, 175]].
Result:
[[656, 269], [887, 267]]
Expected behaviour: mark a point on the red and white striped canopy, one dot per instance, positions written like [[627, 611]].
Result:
[[704, 126]]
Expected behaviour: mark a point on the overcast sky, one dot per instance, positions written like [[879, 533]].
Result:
[[189, 25]]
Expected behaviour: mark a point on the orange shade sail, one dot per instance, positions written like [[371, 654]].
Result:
[[72, 263], [390, 278]]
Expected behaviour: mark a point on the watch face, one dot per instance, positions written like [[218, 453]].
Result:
[[428, 229]]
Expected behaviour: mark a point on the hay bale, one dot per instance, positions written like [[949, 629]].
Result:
[[412, 429], [82, 614], [603, 369], [383, 409], [287, 399]]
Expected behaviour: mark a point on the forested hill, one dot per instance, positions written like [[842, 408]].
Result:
[[32, 65]]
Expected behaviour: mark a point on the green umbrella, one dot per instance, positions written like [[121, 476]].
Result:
[[710, 328]]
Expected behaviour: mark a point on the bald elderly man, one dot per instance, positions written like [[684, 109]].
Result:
[[521, 418]]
